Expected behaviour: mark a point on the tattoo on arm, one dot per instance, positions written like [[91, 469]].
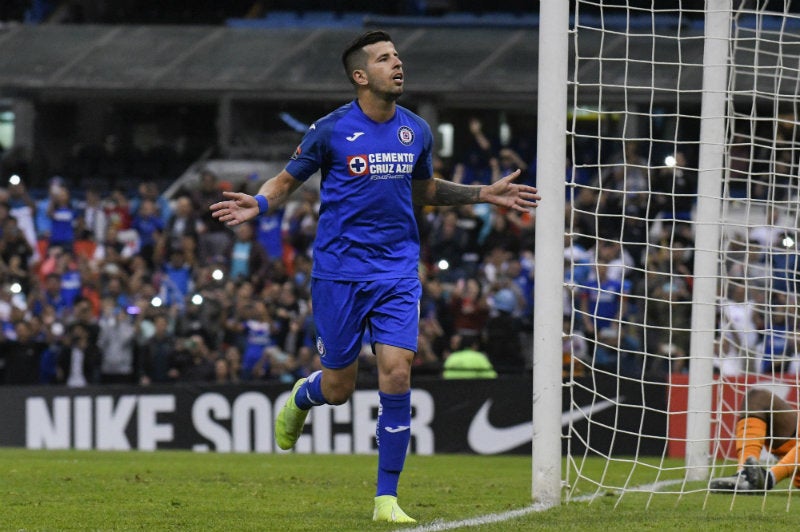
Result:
[[449, 193]]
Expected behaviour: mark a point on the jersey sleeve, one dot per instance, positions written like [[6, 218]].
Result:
[[310, 153]]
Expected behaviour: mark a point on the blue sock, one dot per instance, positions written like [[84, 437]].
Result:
[[393, 434], [310, 392]]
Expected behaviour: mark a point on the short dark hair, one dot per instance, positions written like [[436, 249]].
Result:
[[354, 53]]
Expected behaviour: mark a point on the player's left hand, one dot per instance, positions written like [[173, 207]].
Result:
[[237, 209], [505, 193]]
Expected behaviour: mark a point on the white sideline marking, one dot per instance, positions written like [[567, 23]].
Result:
[[534, 508], [480, 520]]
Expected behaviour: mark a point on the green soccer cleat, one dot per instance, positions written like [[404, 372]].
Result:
[[290, 420], [386, 509]]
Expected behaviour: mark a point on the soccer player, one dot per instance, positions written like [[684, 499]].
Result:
[[376, 163], [767, 421]]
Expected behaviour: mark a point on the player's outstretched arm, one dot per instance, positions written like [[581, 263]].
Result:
[[503, 193], [238, 207]]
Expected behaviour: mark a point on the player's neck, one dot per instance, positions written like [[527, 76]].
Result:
[[377, 109]]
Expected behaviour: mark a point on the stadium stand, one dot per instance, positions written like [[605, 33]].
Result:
[[219, 84]]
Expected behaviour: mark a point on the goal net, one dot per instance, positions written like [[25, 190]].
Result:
[[680, 254]]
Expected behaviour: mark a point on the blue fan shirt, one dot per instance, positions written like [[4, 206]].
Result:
[[367, 228], [258, 339]]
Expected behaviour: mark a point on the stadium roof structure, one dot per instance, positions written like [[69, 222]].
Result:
[[453, 66]]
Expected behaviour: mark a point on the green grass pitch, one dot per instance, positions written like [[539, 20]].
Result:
[[166, 490]]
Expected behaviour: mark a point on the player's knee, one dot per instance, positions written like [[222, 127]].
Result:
[[758, 400], [338, 393], [396, 380]]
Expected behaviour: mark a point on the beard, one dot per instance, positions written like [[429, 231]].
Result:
[[389, 94]]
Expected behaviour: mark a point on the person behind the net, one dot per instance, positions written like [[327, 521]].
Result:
[[375, 158], [765, 422]]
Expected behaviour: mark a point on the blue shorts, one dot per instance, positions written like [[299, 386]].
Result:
[[344, 311]]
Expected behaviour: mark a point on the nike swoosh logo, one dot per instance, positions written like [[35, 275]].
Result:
[[485, 438], [399, 428], [354, 136]]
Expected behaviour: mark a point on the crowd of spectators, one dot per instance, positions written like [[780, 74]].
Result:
[[629, 258], [126, 286]]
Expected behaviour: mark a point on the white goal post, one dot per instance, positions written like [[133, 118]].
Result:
[[668, 159]]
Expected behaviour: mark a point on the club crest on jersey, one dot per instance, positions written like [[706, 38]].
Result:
[[406, 135], [320, 346], [357, 164]]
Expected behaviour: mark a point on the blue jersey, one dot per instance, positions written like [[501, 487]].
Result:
[[269, 233], [258, 339], [147, 227], [367, 228], [604, 300], [70, 286], [61, 228]]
